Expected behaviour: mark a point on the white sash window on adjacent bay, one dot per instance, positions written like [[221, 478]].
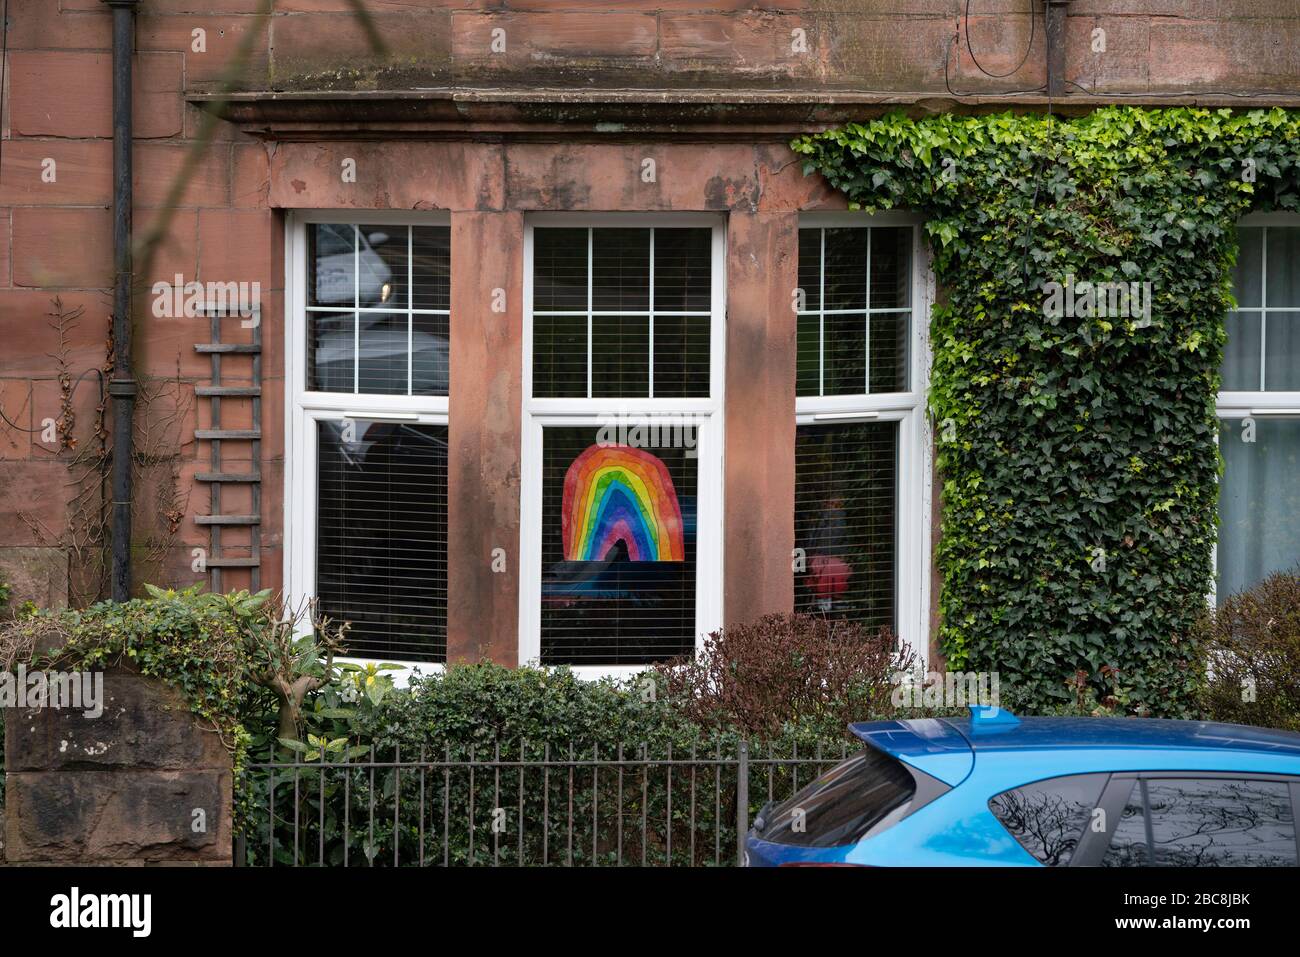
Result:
[[1259, 408]]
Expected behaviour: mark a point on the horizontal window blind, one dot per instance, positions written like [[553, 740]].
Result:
[[855, 312], [378, 308], [621, 312], [381, 536], [618, 550], [846, 492]]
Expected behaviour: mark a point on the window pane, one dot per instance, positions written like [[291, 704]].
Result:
[[618, 549], [382, 266], [1241, 354], [1259, 501], [681, 357], [431, 267], [889, 352], [620, 364], [559, 269], [1283, 287], [381, 542], [331, 351], [683, 270], [845, 494], [1213, 822], [846, 353], [1282, 342], [1048, 817], [620, 356], [1248, 274], [810, 267], [620, 273], [891, 268], [331, 264], [430, 362], [833, 354], [846, 269], [808, 362], [384, 348], [560, 356], [376, 350]]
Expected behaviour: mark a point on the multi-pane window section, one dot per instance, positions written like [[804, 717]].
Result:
[[1263, 349], [366, 506], [854, 304], [622, 312], [1259, 408], [378, 306], [621, 522]]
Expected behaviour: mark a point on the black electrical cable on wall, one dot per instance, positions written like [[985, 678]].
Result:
[[1029, 48]]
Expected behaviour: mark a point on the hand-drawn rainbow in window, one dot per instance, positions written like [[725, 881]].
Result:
[[614, 492]]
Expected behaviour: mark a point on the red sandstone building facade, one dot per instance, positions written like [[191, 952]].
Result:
[[550, 351]]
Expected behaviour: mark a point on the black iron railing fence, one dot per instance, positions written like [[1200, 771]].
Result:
[[520, 805]]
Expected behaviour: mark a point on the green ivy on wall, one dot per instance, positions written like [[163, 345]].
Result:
[[1075, 425]]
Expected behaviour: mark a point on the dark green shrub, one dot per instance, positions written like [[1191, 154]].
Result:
[[488, 711], [1253, 643]]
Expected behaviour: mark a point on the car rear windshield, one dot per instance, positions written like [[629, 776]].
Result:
[[842, 805]]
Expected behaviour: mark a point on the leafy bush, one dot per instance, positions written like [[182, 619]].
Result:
[[1253, 640], [757, 677], [488, 712]]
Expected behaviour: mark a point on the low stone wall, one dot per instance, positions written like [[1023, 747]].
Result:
[[142, 783]]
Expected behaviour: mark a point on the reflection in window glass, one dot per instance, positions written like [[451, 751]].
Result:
[[1049, 817], [618, 549], [1211, 822], [378, 301]]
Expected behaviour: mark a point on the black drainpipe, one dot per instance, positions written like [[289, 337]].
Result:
[[121, 385], [1056, 47]]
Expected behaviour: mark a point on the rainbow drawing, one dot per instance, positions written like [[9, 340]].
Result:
[[614, 492]]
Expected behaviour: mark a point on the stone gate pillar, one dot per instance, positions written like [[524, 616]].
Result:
[[140, 783]]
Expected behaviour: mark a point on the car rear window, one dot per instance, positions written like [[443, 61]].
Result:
[[843, 804], [1048, 817]]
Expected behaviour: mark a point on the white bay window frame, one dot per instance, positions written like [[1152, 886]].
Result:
[[305, 408], [703, 413], [915, 484], [1238, 406]]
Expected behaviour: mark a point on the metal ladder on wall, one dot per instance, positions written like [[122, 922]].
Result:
[[216, 436]]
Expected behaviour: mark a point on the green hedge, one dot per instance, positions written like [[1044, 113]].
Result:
[[1078, 454], [534, 714]]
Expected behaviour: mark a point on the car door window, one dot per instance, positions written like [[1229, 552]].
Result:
[[1048, 817], [1204, 822]]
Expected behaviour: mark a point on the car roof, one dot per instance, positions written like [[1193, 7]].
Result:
[[948, 748], [1054, 734]]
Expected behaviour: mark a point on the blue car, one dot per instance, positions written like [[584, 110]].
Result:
[[998, 790]]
